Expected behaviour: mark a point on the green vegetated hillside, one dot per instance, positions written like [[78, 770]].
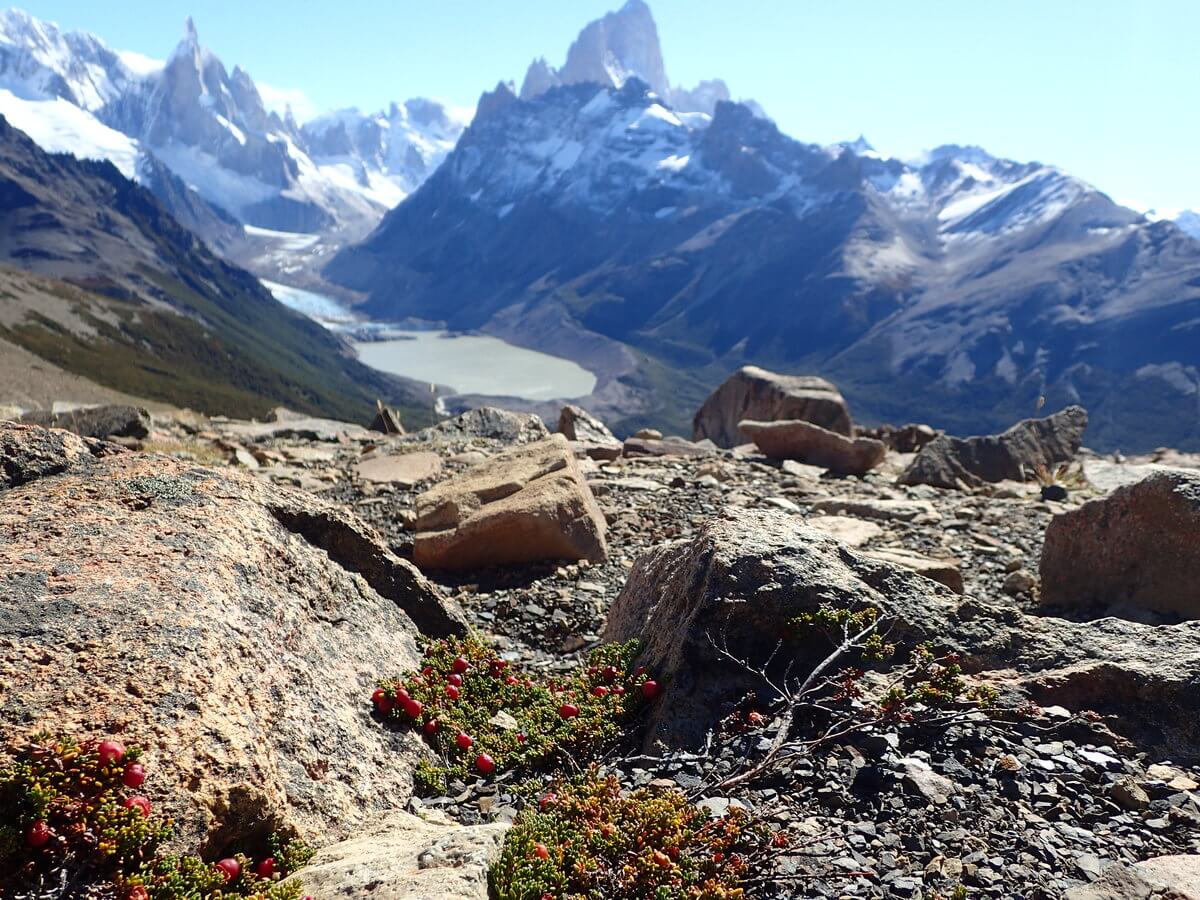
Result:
[[122, 294]]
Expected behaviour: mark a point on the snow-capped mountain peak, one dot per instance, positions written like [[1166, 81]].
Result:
[[617, 47], [191, 37], [39, 61], [210, 127], [1187, 220]]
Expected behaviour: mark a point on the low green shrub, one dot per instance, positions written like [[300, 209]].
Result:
[[484, 717], [588, 839], [72, 816]]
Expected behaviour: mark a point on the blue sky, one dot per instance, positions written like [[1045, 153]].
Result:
[[1107, 90]]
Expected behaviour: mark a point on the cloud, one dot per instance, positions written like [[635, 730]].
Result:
[[140, 64], [279, 99]]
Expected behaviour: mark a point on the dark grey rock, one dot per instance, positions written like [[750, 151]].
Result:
[[100, 422], [1014, 455], [1136, 550], [754, 393]]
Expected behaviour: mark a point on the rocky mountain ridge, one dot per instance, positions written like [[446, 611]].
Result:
[[210, 127], [704, 243]]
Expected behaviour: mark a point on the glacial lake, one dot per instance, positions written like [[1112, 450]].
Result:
[[470, 363], [478, 364]]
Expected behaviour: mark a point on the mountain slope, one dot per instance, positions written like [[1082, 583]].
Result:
[[131, 300], [978, 284], [210, 128]]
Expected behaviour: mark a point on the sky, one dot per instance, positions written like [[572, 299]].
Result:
[[1108, 90]]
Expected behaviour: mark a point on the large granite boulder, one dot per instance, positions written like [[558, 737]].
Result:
[[903, 439], [403, 857], [748, 572], [1133, 552], [284, 423], [28, 452], [814, 445], [635, 447], [231, 628], [589, 435], [1015, 455], [1159, 878], [404, 469], [527, 504], [943, 571], [754, 393], [738, 583], [577, 424], [101, 422], [487, 422]]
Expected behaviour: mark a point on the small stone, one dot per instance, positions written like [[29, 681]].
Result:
[[1019, 582], [1129, 795]]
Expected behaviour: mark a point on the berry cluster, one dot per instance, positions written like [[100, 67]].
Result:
[[72, 813], [591, 839], [483, 716]]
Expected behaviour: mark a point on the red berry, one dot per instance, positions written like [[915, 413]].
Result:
[[639, 671], [520, 738], [460, 665], [485, 764], [430, 727], [110, 751], [139, 803], [230, 868], [511, 679], [138, 892], [39, 834], [413, 708], [609, 673], [651, 689], [452, 691], [383, 703], [542, 851], [619, 690], [134, 775], [454, 679], [661, 859], [266, 868], [599, 691], [401, 693], [568, 710], [464, 741], [755, 718], [718, 857], [548, 800], [427, 671]]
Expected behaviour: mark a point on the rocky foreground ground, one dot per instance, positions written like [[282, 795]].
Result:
[[209, 588]]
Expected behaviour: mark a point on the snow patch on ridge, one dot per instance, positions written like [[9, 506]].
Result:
[[62, 127]]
